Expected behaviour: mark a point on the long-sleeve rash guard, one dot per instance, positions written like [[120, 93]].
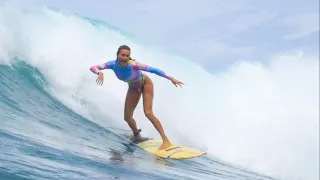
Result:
[[131, 73]]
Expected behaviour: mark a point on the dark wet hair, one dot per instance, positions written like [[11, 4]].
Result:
[[124, 47]]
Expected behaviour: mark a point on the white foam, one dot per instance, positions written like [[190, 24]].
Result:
[[262, 117]]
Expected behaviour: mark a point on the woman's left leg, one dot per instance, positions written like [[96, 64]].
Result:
[[147, 95]]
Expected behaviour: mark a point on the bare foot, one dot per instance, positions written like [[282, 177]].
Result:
[[135, 138], [165, 144]]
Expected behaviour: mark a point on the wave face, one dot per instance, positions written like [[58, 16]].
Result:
[[56, 122]]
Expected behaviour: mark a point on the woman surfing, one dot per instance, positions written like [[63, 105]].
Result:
[[128, 70]]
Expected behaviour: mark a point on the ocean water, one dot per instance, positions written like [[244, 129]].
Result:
[[56, 123]]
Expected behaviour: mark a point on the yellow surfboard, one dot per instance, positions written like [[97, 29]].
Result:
[[175, 151]]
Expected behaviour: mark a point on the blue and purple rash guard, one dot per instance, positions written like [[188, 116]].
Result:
[[131, 73]]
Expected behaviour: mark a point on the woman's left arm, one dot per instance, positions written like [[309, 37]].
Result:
[[143, 67]]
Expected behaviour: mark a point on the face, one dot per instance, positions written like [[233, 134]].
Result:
[[123, 57]]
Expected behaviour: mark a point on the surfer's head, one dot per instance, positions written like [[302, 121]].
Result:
[[123, 55]]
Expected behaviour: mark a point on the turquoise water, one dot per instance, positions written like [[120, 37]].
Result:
[[41, 138], [56, 124]]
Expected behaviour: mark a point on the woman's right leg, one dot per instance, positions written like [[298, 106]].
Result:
[[132, 99]]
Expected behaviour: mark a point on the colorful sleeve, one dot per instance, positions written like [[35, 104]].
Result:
[[107, 65], [143, 67]]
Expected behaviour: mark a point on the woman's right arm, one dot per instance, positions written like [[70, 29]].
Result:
[[96, 68]]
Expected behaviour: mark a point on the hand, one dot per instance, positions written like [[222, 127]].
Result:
[[100, 79], [176, 82]]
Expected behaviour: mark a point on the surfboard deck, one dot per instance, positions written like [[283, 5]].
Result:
[[175, 151]]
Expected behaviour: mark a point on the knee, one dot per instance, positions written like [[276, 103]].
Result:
[[127, 118], [149, 114]]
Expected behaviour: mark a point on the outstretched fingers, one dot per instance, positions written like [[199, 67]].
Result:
[[99, 81], [178, 83]]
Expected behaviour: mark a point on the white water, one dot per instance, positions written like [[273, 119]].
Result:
[[262, 117]]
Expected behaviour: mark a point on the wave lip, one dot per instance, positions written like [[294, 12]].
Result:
[[236, 113]]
